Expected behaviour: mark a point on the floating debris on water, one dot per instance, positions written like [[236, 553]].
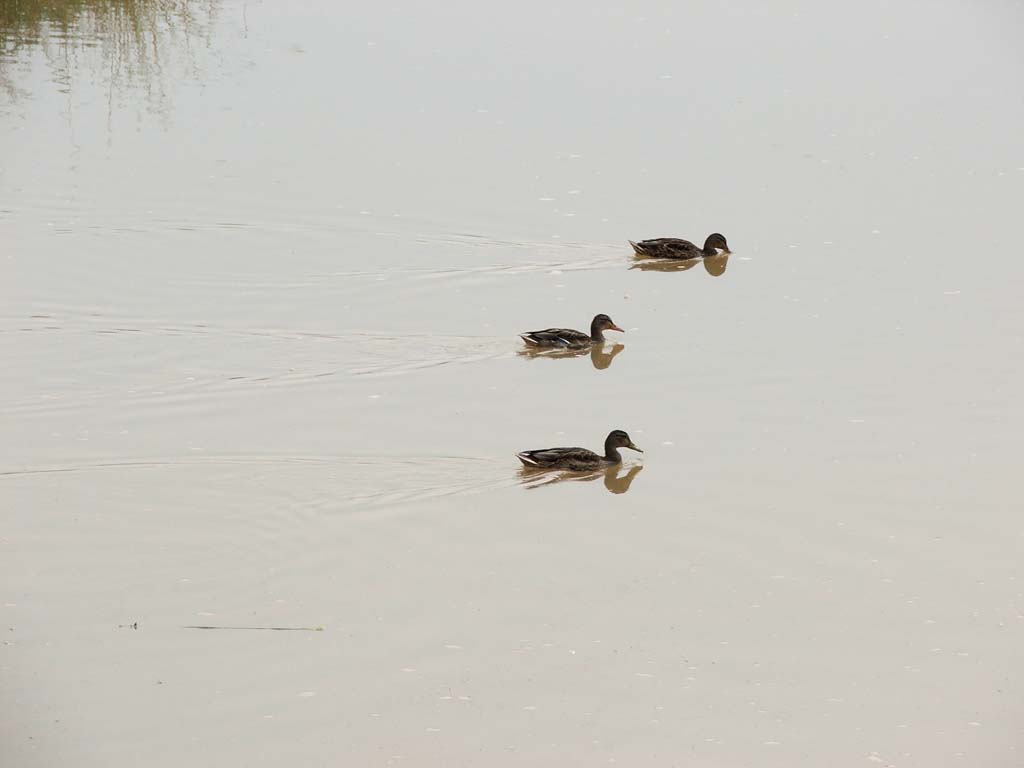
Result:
[[269, 629]]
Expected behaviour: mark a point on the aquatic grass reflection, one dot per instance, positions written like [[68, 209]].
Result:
[[126, 43]]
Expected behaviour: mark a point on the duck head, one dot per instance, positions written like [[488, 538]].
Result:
[[618, 438], [714, 241], [602, 323]]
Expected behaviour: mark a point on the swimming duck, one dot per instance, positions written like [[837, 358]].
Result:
[[674, 248], [567, 338], [579, 459]]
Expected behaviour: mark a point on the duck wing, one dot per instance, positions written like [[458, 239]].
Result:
[[565, 338], [561, 458], [667, 248]]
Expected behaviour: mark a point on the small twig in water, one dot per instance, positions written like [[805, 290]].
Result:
[[274, 629]]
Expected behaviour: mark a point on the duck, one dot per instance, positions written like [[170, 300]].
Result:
[[674, 248], [580, 459], [566, 338]]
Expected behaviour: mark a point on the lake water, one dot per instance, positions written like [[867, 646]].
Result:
[[262, 267]]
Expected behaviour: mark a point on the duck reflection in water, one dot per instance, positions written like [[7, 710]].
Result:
[[664, 265], [614, 482], [600, 355], [713, 265]]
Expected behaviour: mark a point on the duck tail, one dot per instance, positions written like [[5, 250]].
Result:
[[528, 338], [637, 248], [528, 461]]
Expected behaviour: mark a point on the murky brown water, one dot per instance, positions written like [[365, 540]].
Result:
[[261, 293]]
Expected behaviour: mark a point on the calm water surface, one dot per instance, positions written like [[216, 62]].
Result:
[[262, 271]]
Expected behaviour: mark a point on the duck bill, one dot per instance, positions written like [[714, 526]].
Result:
[[614, 327], [634, 448], [726, 250]]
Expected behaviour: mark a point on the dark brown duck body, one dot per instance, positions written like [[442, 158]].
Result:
[[567, 338], [676, 248], [579, 459]]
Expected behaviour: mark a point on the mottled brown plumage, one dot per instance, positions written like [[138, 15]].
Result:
[[675, 248], [566, 338], [579, 459]]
